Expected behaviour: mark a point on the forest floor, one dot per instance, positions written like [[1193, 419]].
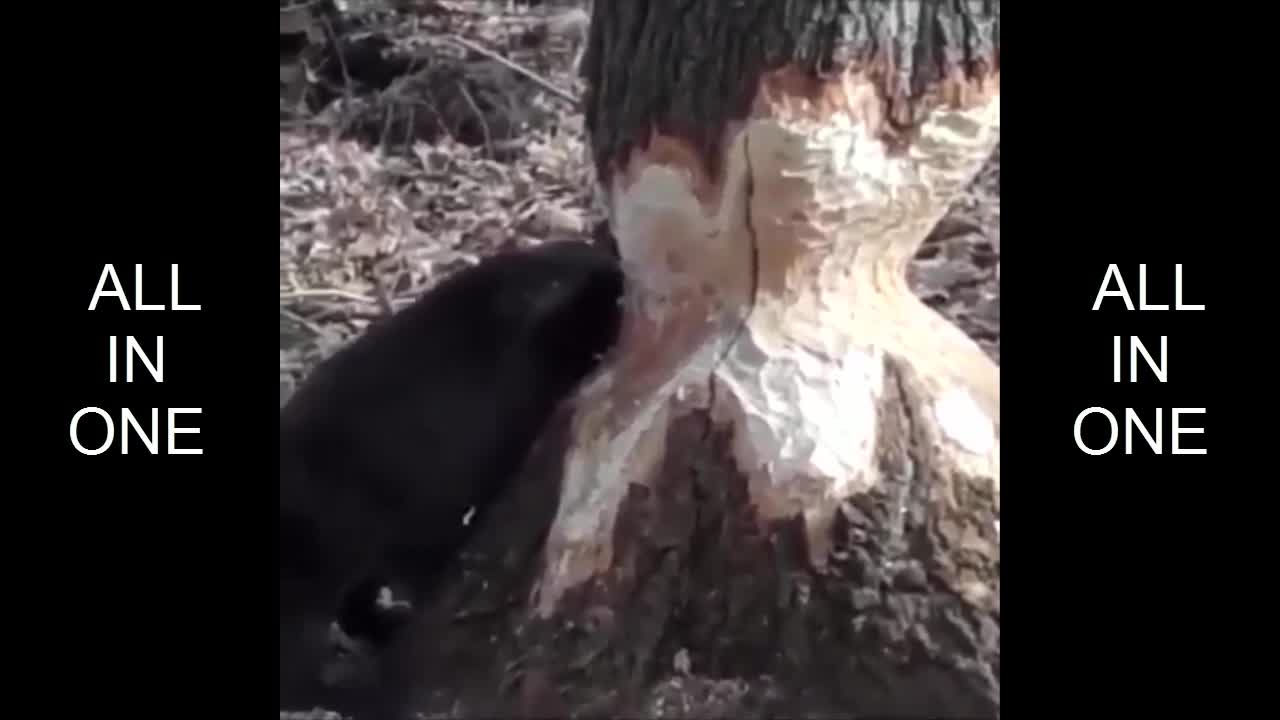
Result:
[[417, 136]]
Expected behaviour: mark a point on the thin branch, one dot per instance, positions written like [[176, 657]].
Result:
[[312, 327], [379, 271], [326, 292], [519, 69], [484, 124], [342, 60]]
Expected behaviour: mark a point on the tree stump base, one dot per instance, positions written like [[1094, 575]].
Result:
[[788, 474]]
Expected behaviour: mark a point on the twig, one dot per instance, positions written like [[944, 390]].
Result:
[[388, 114], [521, 212], [314, 328], [380, 284], [297, 123], [342, 60], [348, 94], [334, 312], [484, 124], [529, 74], [326, 292]]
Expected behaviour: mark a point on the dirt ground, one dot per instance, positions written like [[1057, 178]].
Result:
[[417, 136]]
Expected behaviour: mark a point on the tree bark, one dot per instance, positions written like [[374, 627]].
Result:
[[788, 474]]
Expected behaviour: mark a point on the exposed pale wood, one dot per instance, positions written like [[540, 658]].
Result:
[[787, 476], [771, 325]]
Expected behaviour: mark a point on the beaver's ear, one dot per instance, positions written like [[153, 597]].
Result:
[[578, 318]]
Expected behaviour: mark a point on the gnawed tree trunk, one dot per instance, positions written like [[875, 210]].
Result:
[[792, 468], [789, 473]]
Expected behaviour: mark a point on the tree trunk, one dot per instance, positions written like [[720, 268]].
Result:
[[782, 495]]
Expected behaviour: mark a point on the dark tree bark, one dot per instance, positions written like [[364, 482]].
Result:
[[789, 473]]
